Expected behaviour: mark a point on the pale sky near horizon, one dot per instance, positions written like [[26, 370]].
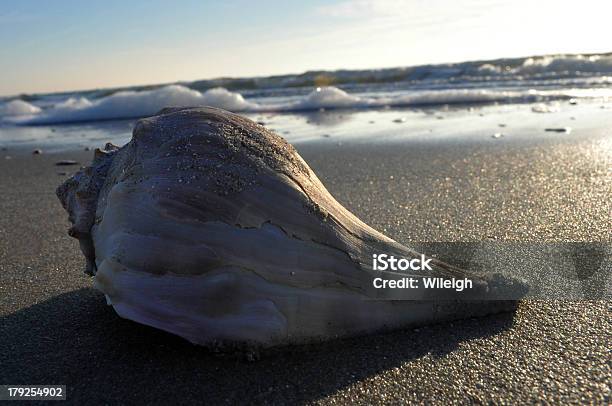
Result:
[[62, 45]]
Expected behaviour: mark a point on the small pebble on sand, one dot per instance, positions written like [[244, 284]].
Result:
[[66, 162], [566, 130], [37, 151]]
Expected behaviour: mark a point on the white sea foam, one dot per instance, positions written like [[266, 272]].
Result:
[[549, 64], [457, 96], [570, 63], [546, 108], [326, 97], [557, 77], [133, 104], [130, 104], [331, 97], [18, 108]]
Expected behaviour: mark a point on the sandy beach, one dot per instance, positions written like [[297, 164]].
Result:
[[56, 329], [463, 254]]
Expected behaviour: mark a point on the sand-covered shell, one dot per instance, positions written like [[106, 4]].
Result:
[[209, 226]]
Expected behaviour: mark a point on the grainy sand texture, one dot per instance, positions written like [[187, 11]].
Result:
[[56, 329]]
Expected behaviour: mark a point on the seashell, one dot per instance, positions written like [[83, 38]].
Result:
[[213, 228]]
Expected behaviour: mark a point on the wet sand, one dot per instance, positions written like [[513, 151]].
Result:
[[55, 329]]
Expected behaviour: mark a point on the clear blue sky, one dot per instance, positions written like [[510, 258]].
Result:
[[67, 44]]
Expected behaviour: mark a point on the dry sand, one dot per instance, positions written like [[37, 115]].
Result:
[[55, 329]]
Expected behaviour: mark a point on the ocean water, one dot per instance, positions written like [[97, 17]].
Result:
[[323, 104]]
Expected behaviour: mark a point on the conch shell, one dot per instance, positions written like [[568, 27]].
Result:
[[209, 226]]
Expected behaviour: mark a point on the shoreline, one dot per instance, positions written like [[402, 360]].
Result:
[[487, 124]]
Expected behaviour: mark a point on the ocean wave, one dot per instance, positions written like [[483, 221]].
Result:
[[503, 80], [131, 104], [324, 97], [572, 63], [18, 108], [549, 65], [331, 97], [566, 66], [134, 104]]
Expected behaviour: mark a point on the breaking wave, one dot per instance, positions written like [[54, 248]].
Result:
[[134, 104], [508, 80], [18, 108], [565, 65], [131, 104]]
